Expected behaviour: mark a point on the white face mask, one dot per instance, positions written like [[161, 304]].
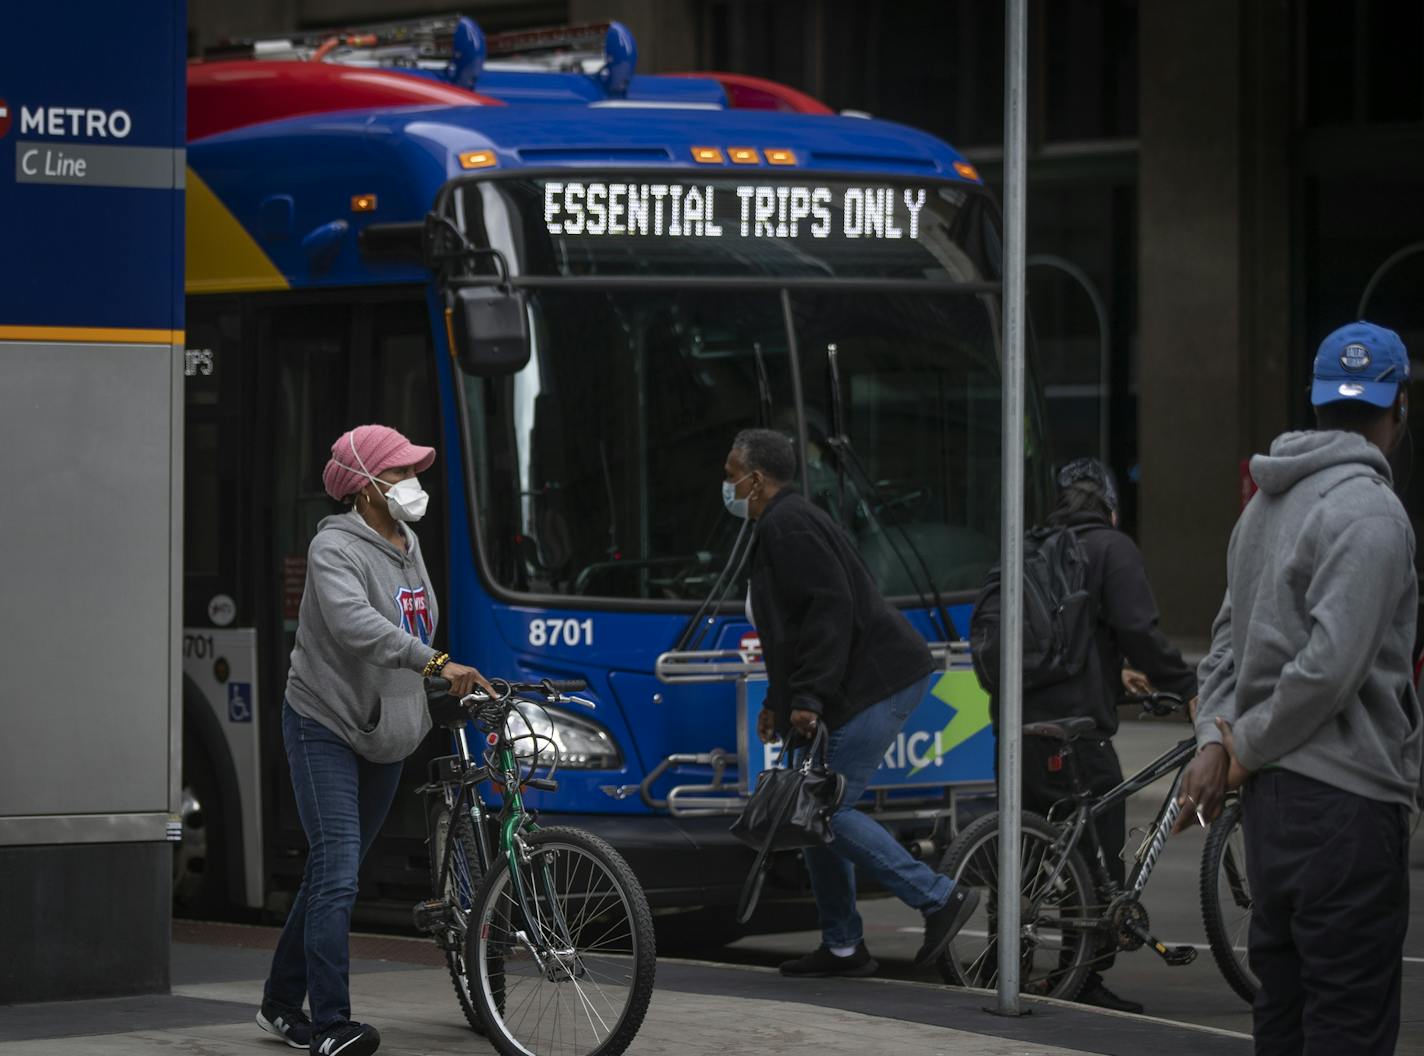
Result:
[[735, 506], [406, 499]]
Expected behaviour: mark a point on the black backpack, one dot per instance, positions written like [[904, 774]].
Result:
[[1059, 615]]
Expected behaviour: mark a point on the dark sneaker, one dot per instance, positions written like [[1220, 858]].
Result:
[[1096, 994], [943, 924], [349, 1039], [822, 963], [292, 1027]]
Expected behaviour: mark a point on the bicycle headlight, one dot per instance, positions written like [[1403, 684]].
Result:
[[583, 744]]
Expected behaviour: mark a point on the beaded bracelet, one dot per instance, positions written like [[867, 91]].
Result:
[[436, 664]]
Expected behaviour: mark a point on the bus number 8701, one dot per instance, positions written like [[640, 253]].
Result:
[[560, 632]]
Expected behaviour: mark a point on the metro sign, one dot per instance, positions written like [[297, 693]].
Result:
[[4, 118]]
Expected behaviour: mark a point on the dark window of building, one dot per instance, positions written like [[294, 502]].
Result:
[[1086, 62], [1364, 62], [939, 64]]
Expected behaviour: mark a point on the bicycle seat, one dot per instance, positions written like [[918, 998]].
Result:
[[1064, 730]]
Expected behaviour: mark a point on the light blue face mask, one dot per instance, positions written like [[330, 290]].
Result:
[[735, 506]]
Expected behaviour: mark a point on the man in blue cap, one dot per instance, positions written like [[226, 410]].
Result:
[[1308, 702]]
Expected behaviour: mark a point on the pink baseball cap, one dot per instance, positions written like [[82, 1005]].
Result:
[[374, 448]]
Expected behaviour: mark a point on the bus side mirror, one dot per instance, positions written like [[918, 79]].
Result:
[[490, 328]]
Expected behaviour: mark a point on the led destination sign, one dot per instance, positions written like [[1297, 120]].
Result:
[[726, 211], [664, 225]]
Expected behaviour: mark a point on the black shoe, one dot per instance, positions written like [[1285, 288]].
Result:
[[822, 963], [1096, 994], [943, 924], [292, 1027], [349, 1039]]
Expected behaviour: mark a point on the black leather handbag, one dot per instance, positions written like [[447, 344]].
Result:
[[791, 807]]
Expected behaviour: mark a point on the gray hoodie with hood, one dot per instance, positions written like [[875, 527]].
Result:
[[368, 616], [1310, 656]]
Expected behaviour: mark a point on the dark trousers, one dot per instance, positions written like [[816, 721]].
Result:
[[1329, 878], [1098, 770], [342, 800]]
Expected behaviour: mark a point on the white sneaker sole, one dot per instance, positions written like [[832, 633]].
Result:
[[271, 1028]]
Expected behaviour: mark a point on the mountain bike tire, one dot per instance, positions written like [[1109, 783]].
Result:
[[968, 859], [594, 888], [1223, 875], [467, 850]]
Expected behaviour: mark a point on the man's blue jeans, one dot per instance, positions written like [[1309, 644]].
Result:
[[342, 800], [856, 750]]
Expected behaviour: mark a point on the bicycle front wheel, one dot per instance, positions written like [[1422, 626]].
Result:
[[1058, 929], [561, 951], [1226, 901]]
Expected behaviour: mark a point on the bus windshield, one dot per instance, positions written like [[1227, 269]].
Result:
[[597, 468]]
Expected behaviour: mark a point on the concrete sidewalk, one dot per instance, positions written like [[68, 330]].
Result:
[[698, 1010]]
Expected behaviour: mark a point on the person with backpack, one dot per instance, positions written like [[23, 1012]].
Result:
[[1309, 705], [1088, 610]]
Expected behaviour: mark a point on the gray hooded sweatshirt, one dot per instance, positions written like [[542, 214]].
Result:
[[368, 616], [1310, 656]]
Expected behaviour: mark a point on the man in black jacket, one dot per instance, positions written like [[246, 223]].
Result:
[[836, 653], [1126, 629]]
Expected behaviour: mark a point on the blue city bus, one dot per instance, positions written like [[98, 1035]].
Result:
[[578, 283]]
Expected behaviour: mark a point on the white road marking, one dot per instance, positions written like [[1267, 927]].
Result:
[[1194, 945]]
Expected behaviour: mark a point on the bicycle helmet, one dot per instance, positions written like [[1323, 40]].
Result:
[[1094, 472]]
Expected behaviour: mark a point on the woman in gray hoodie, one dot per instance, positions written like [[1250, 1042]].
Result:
[[354, 709]]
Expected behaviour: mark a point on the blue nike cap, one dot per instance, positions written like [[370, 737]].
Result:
[[1360, 361]]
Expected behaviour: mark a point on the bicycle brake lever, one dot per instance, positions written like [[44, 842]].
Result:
[[564, 698]]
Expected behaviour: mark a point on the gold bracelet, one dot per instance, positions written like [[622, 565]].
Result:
[[436, 664]]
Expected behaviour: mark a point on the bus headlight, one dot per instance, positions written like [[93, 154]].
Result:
[[583, 744]]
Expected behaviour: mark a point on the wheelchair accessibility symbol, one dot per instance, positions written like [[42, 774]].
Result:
[[239, 702]]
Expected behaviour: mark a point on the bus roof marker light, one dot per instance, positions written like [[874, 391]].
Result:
[[708, 155], [478, 159], [780, 156], [966, 170], [467, 54], [620, 59], [363, 203], [744, 155]]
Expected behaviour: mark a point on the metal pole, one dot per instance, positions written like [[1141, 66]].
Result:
[[1011, 677]]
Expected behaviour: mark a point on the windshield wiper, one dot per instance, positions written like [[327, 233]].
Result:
[[847, 458], [695, 630], [763, 388]]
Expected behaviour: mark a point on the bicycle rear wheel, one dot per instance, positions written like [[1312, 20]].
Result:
[[1226, 901], [1057, 939], [577, 978], [462, 883]]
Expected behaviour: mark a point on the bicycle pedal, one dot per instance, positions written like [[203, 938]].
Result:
[[1178, 956], [431, 915]]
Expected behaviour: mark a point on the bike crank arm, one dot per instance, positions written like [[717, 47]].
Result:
[[1176, 956]]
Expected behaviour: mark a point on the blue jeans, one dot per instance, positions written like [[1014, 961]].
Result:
[[856, 750], [342, 800]]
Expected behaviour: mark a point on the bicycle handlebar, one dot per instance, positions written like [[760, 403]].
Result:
[[560, 685], [550, 687], [1156, 703]]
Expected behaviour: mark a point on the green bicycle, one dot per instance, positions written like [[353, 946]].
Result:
[[546, 931]]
